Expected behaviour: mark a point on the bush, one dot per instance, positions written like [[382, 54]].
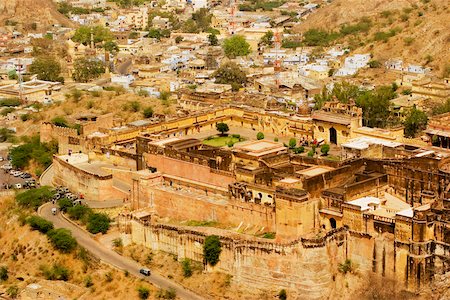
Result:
[[3, 273], [64, 204], [260, 136], [187, 269], [13, 291], [373, 64], [35, 197], [299, 150], [311, 153], [166, 294], [275, 139], [282, 295], [346, 267], [62, 240], [25, 117], [88, 281], [56, 272], [143, 292], [325, 149], [117, 243], [79, 212], [148, 112], [292, 143], [40, 224], [60, 121], [33, 149], [212, 249], [10, 102], [98, 222]]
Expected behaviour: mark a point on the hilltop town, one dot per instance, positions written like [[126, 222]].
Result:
[[239, 149]]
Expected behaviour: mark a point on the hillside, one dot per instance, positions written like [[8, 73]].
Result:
[[26, 12], [415, 30]]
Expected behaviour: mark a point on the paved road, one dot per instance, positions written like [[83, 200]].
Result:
[[110, 257], [123, 67]]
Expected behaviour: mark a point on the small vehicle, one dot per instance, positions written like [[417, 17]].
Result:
[[17, 173], [145, 272], [77, 202], [25, 176], [54, 210], [1, 158], [18, 186]]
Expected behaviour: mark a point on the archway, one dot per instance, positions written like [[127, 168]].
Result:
[[333, 136], [333, 223]]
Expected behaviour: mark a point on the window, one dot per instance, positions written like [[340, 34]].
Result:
[[321, 129]]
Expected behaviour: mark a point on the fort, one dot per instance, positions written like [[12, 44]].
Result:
[[383, 204]]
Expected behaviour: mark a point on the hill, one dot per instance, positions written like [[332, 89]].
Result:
[[415, 30], [27, 12]]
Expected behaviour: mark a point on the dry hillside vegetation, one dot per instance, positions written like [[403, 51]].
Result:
[[415, 30], [26, 12], [27, 254]]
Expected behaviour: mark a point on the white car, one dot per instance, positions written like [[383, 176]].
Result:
[[18, 186], [17, 173]]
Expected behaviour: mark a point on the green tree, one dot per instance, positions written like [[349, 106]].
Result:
[[6, 134], [325, 149], [143, 292], [415, 121], [148, 112], [3, 273], [39, 224], [222, 128], [46, 68], [236, 46], [267, 39], [202, 18], [212, 249], [64, 204], [178, 39], [79, 212], [62, 240], [213, 40], [260, 136], [100, 34], [282, 295], [60, 121], [86, 69], [35, 197], [292, 143], [187, 269], [98, 222], [56, 272], [230, 73], [13, 291], [111, 47]]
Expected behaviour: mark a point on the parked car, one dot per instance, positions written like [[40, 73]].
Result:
[[25, 175], [54, 210], [18, 186], [1, 158], [145, 272]]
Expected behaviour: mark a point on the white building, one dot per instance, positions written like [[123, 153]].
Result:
[[352, 64], [122, 80], [394, 64], [197, 4], [417, 69]]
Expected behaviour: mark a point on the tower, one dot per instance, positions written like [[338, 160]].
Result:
[[19, 71], [233, 10]]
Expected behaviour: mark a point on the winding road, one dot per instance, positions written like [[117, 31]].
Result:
[[106, 255]]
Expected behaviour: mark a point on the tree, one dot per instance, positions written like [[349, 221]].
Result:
[[236, 46], [212, 249], [178, 39], [222, 128], [325, 149], [86, 69], [62, 240], [143, 292], [202, 18], [39, 224], [100, 34], [416, 120], [111, 47], [46, 68], [282, 295], [79, 212], [148, 112], [213, 40], [13, 291], [6, 134], [292, 143], [260, 136], [187, 270], [35, 197], [155, 33], [267, 39], [64, 204], [98, 222], [230, 73], [60, 121], [3, 273]]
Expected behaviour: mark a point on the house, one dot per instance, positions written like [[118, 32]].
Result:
[[417, 69], [395, 64], [352, 64], [161, 23], [32, 91], [122, 80]]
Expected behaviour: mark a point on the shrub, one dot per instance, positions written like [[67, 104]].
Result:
[[98, 222], [25, 117], [60, 121], [166, 294], [230, 144], [325, 149], [3, 273], [56, 272], [311, 153], [292, 143], [148, 112], [236, 136], [282, 295], [134, 106], [143, 292], [79, 212], [260, 136], [109, 277], [13, 291], [346, 267], [88, 281], [117, 243], [187, 269], [373, 64], [269, 235], [62, 240], [10, 102], [34, 198], [64, 204], [275, 139], [212, 249], [299, 150], [40, 224]]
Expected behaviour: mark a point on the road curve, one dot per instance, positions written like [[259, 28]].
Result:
[[110, 257]]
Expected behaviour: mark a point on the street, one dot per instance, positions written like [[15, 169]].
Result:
[[109, 256]]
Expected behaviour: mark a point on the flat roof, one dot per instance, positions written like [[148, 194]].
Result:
[[365, 202], [314, 171], [260, 148], [364, 143]]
